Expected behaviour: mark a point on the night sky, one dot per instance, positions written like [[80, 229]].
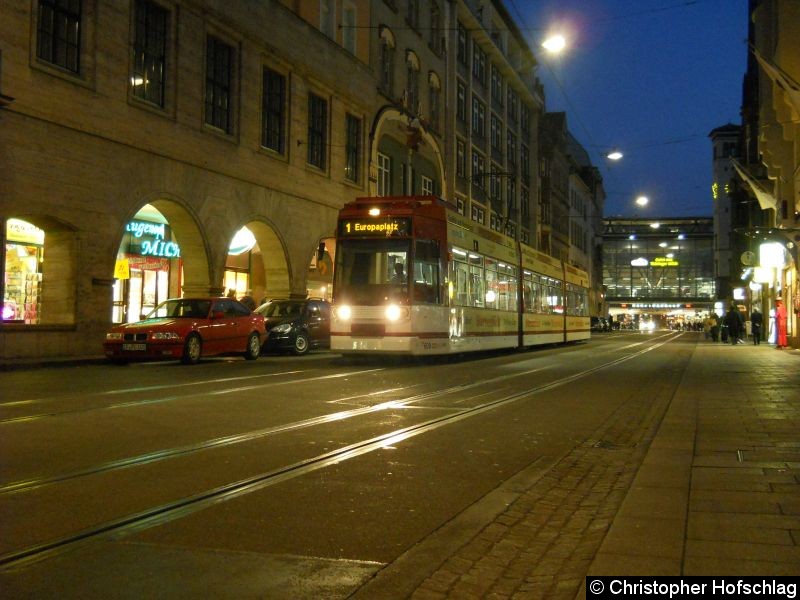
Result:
[[651, 77]]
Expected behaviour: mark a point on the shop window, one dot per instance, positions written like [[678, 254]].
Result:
[[30, 297], [24, 253]]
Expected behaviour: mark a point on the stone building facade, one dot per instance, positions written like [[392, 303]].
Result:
[[156, 148], [137, 138]]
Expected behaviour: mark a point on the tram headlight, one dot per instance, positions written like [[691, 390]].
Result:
[[344, 312], [393, 312]]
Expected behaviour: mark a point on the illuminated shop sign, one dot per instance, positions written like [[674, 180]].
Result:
[[151, 239], [23, 232], [387, 227]]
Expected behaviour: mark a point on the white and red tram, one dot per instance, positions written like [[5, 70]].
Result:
[[412, 276]]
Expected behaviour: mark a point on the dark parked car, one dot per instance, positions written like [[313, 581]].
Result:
[[296, 326]]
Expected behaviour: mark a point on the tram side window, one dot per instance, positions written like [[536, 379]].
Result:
[[576, 300], [475, 280], [555, 299], [507, 297], [492, 284], [527, 291], [459, 278], [426, 271]]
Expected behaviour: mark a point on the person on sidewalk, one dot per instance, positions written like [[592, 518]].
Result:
[[714, 327], [735, 323], [780, 325], [756, 319]]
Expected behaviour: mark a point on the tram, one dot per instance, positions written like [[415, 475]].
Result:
[[413, 277]]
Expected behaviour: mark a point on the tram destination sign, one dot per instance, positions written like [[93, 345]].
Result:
[[379, 227]]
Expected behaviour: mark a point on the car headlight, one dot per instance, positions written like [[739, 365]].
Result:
[[114, 336], [282, 328], [165, 335], [344, 312]]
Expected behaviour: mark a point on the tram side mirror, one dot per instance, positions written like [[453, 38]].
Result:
[[321, 251]]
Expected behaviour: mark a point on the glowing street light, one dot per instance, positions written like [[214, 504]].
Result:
[[642, 201], [614, 155], [555, 43]]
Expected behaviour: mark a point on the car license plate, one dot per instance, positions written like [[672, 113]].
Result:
[[135, 347]]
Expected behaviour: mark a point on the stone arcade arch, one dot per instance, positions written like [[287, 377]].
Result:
[[270, 275], [405, 141]]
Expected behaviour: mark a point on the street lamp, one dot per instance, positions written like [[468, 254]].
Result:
[[554, 43], [642, 201], [614, 155]]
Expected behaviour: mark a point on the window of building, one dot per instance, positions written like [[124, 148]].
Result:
[[327, 16], [525, 163], [496, 133], [427, 186], [497, 85], [412, 13], [478, 170], [58, 39], [219, 84], [384, 175], [434, 95], [478, 214], [478, 63], [511, 148], [273, 99], [525, 202], [461, 158], [511, 197], [412, 82], [495, 187], [525, 121], [461, 102], [349, 30], [478, 118], [149, 52], [387, 49], [317, 130], [462, 43], [460, 205], [513, 103], [352, 148], [435, 35]]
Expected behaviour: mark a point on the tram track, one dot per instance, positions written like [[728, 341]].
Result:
[[134, 403], [128, 524], [152, 457]]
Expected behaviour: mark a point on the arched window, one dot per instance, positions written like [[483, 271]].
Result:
[[412, 82], [434, 99], [387, 48]]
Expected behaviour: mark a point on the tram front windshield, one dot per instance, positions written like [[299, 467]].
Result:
[[372, 272]]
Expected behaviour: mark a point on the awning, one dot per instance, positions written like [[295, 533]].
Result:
[[781, 78], [766, 200]]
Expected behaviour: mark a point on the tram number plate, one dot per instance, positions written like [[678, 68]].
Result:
[[135, 347]]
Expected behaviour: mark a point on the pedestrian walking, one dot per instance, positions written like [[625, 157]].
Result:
[[756, 320], [735, 323], [714, 321], [780, 325]]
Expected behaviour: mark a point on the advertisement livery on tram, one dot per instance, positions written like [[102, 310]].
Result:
[[414, 277]]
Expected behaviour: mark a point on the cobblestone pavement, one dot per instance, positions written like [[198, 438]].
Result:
[[707, 482]]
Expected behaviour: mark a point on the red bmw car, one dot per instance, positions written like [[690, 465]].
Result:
[[186, 329]]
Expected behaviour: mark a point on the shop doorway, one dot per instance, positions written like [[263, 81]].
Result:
[[148, 269]]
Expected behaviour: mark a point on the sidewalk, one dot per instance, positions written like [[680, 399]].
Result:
[[707, 484]]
